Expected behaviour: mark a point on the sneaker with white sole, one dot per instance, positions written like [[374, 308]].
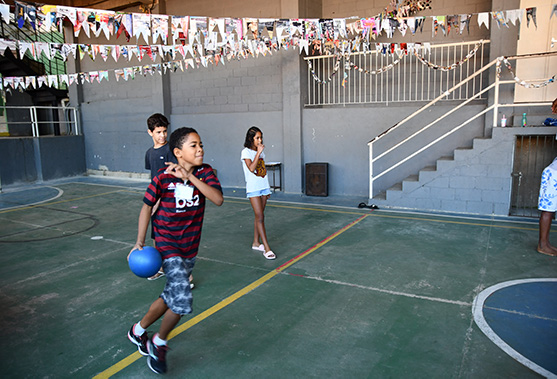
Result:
[[157, 357], [139, 341]]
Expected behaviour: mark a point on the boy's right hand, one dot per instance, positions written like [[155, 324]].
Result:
[[137, 246]]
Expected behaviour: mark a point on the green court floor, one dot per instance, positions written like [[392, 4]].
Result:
[[353, 293]]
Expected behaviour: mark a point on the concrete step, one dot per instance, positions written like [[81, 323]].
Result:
[[410, 183], [397, 193], [444, 162]]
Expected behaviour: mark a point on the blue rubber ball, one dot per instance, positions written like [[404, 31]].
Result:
[[145, 263]]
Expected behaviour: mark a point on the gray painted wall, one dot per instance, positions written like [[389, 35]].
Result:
[[222, 102], [27, 159], [17, 157]]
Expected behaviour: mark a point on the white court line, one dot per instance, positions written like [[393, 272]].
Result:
[[331, 281], [396, 293], [60, 193], [477, 310]]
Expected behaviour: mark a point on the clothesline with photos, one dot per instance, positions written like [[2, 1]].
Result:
[[523, 83], [415, 50], [398, 52]]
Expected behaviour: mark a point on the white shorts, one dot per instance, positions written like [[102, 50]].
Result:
[[547, 200]]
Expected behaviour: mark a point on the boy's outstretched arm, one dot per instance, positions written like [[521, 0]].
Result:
[[142, 225], [210, 193]]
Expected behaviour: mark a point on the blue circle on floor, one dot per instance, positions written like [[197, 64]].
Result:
[[28, 197], [520, 316]]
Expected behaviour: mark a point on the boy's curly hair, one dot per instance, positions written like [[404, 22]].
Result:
[[179, 136]]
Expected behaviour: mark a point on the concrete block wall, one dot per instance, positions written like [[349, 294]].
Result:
[[245, 85], [113, 117]]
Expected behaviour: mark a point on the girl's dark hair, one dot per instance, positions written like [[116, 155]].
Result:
[[250, 135], [178, 137]]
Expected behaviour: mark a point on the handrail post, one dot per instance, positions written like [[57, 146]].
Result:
[[34, 123], [371, 170], [496, 95], [76, 122]]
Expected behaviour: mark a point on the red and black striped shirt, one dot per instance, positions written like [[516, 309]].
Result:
[[178, 220]]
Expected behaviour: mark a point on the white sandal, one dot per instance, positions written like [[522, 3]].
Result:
[[269, 255], [258, 248], [158, 275]]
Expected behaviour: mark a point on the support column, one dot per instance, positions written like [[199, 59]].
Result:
[[503, 42], [292, 123], [161, 84], [293, 77]]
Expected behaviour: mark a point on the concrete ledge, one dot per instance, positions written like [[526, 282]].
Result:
[[119, 174]]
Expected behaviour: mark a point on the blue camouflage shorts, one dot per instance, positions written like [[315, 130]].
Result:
[[547, 200], [177, 292]]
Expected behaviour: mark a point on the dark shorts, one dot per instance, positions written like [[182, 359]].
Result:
[[177, 292]]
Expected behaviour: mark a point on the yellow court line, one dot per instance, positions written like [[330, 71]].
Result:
[[380, 214], [274, 205], [119, 366], [451, 222]]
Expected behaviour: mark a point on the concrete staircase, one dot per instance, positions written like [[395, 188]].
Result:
[[473, 180]]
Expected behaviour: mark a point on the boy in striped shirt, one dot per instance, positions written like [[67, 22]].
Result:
[[182, 190]]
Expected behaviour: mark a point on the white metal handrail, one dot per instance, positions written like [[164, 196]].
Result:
[[497, 83], [68, 116]]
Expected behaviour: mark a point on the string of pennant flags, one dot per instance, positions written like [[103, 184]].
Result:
[[202, 41], [220, 31], [126, 73]]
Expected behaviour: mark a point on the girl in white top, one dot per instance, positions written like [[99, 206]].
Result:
[[257, 187]]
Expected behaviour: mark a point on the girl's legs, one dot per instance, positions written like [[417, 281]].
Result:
[[258, 204]]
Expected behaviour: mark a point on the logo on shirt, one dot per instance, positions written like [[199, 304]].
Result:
[[184, 197]]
